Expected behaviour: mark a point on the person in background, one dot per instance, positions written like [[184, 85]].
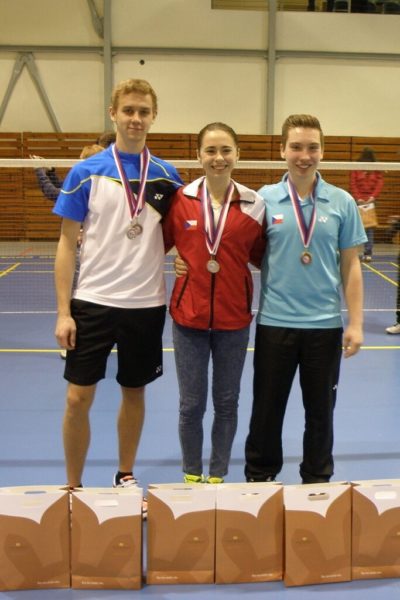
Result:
[[106, 139], [365, 187], [48, 180], [395, 329], [120, 196], [217, 227], [313, 232]]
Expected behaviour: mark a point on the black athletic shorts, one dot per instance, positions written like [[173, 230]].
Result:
[[137, 333]]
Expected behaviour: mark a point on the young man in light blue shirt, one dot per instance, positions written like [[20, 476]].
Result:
[[313, 231]]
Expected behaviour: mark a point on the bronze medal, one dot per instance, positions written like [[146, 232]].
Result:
[[306, 258]]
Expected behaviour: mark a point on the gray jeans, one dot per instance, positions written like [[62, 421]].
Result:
[[193, 348]]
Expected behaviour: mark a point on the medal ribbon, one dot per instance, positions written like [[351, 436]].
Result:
[[214, 233], [306, 232], [135, 203]]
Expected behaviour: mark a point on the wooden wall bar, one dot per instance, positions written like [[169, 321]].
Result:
[[26, 215]]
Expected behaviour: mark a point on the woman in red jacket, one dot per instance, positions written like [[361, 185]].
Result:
[[365, 187], [217, 226]]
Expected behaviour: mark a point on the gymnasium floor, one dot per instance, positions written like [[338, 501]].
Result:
[[367, 443]]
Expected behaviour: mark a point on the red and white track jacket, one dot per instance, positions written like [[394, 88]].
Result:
[[222, 300]]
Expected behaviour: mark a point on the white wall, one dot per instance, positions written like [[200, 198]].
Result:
[[197, 90], [354, 98], [351, 96]]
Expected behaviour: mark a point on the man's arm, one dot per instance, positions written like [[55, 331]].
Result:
[[64, 270], [353, 292]]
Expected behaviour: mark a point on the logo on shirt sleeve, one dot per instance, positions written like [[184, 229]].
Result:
[[190, 225], [277, 219]]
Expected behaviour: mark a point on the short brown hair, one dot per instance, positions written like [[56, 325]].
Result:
[[106, 139], [138, 86], [217, 126], [307, 121]]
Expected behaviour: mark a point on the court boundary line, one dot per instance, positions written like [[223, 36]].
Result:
[[380, 274], [9, 270], [57, 350]]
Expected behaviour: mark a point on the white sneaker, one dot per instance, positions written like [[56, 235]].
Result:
[[393, 328], [124, 482]]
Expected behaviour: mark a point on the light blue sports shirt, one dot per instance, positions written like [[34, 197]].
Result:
[[294, 294]]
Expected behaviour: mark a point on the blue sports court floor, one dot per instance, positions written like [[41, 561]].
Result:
[[367, 444]]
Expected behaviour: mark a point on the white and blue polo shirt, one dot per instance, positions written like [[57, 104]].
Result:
[[114, 270]]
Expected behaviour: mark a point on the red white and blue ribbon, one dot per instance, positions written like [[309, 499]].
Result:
[[214, 232], [135, 203], [306, 231]]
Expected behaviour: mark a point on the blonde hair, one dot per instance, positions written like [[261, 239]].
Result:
[[90, 150], [138, 86]]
